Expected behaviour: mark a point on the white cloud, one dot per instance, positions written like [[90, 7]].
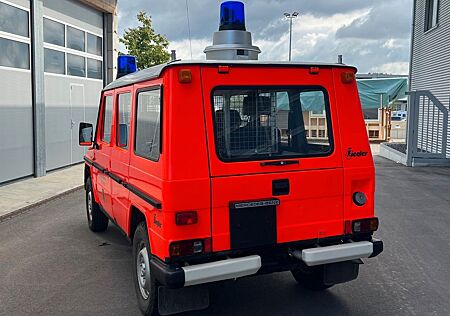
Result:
[[392, 68], [372, 35]]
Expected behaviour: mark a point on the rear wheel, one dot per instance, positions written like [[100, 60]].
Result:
[[144, 281], [311, 278], [97, 221]]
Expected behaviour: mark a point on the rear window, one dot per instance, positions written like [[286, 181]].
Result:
[[270, 123]]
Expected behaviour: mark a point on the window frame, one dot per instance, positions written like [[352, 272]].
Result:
[[429, 15], [27, 10], [64, 32], [161, 107], [18, 38], [102, 125], [67, 50], [15, 40], [273, 87], [126, 148], [64, 61]]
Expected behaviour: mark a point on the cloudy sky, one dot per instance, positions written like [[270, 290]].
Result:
[[373, 35]]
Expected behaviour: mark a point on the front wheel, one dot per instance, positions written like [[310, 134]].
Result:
[[144, 281], [311, 278]]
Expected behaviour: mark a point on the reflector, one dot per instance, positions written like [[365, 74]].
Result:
[[185, 76], [348, 77], [186, 218]]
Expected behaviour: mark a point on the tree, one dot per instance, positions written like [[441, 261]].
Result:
[[149, 47]]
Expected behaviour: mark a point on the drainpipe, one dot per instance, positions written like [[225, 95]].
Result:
[[411, 112], [37, 84]]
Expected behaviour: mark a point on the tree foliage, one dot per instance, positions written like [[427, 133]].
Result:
[[149, 47]]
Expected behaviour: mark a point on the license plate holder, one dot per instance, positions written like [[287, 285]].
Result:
[[253, 223]]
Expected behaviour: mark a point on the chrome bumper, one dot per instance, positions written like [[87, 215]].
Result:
[[221, 270], [338, 253]]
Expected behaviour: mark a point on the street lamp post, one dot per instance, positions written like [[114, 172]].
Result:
[[291, 17]]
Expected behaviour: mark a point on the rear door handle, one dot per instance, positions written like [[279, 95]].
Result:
[[280, 187], [280, 163]]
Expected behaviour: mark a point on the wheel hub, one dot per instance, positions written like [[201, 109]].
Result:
[[89, 206], [143, 273]]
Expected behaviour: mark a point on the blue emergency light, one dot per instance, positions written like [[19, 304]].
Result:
[[232, 16], [126, 64]]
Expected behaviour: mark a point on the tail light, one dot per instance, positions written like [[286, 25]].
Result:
[[186, 218], [366, 225], [190, 247]]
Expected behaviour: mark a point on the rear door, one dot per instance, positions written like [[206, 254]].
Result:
[[120, 156], [276, 171]]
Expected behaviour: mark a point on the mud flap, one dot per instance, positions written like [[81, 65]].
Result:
[[341, 272], [174, 301]]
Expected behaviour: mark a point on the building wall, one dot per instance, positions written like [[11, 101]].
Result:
[[71, 92], [71, 99], [16, 121], [430, 64]]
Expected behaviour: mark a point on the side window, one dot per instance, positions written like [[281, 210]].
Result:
[[148, 124], [431, 14], [123, 119], [107, 119]]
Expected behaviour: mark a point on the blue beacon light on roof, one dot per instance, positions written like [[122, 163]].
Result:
[[126, 64], [232, 16]]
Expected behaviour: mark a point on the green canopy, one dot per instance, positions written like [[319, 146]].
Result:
[[370, 92], [391, 90]]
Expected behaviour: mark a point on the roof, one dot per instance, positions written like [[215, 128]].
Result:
[[108, 6], [156, 71], [375, 93]]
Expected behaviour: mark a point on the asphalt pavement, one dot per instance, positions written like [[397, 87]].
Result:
[[51, 264]]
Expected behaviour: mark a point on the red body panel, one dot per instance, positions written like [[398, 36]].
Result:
[[189, 176]]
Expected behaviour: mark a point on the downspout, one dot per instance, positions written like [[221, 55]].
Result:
[[412, 45], [38, 89], [411, 98]]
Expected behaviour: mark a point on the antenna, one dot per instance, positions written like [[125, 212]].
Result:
[[189, 27]]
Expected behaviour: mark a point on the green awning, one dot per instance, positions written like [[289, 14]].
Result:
[[390, 90]]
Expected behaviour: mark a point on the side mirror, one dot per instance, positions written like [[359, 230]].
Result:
[[86, 131], [123, 135]]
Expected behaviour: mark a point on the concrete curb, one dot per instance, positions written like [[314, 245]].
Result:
[[24, 209]]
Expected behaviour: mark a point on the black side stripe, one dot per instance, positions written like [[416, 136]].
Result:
[[145, 197], [150, 200]]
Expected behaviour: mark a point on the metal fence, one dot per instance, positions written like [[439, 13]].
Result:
[[427, 129]]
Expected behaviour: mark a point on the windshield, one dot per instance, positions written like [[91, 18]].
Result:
[[271, 123]]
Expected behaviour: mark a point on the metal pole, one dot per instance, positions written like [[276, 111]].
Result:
[[38, 91], [290, 38]]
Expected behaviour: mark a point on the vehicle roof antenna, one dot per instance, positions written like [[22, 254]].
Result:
[[189, 27]]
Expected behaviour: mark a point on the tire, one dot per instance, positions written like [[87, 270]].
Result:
[[144, 281], [97, 221], [311, 278]]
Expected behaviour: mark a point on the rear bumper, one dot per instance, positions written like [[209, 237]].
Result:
[[255, 264], [339, 253]]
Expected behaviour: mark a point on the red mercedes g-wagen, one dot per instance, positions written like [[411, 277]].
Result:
[[217, 170]]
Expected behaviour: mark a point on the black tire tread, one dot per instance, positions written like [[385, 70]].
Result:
[[148, 307], [99, 222]]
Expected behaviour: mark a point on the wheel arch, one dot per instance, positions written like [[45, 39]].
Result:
[[136, 216], [87, 174]]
